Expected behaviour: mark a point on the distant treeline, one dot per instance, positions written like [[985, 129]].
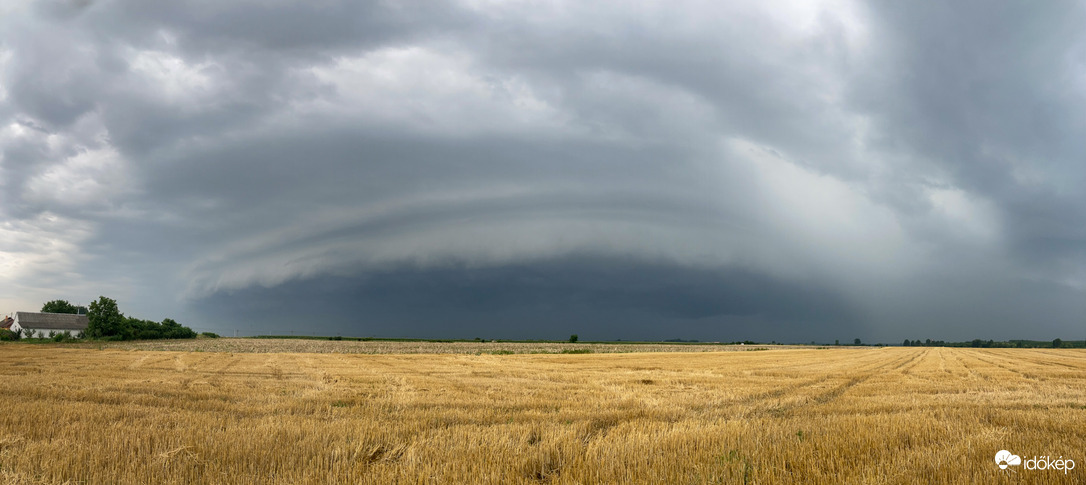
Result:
[[379, 339], [106, 322], [533, 341], [1006, 344], [977, 343], [360, 339]]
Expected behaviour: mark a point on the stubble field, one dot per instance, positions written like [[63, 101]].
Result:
[[892, 415]]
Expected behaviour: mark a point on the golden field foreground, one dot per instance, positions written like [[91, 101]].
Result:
[[890, 415]]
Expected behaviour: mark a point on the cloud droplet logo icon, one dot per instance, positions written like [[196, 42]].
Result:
[[1005, 458]]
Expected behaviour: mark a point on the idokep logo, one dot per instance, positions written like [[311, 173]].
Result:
[[1006, 459]]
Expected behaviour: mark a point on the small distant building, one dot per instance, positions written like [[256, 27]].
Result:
[[5, 324], [42, 324]]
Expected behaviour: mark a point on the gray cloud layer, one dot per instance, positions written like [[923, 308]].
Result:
[[787, 171]]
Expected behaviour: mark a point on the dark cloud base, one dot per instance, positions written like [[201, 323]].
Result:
[[597, 298], [920, 163]]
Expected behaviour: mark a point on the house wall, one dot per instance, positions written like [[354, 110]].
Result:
[[44, 332]]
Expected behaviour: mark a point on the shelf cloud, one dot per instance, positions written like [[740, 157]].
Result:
[[789, 171]]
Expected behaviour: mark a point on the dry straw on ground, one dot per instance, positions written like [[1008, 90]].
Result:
[[895, 415]]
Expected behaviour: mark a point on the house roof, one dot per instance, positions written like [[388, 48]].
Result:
[[6, 322], [51, 321]]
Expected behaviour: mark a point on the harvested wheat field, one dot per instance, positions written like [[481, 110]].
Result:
[[892, 415]]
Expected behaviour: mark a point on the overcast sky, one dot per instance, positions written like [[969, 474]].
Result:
[[788, 171]]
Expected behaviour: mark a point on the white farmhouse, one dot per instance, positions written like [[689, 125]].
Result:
[[42, 324]]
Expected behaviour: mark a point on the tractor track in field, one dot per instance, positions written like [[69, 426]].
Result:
[[1023, 375], [1047, 362], [827, 396], [783, 390], [897, 365], [1078, 357]]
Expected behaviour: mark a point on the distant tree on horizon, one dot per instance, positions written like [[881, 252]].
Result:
[[573, 338], [104, 318], [62, 306]]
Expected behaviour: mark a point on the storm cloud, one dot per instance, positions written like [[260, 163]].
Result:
[[787, 171]]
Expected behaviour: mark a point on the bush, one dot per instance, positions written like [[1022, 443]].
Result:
[[149, 330], [62, 337], [209, 335], [106, 322], [8, 335]]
